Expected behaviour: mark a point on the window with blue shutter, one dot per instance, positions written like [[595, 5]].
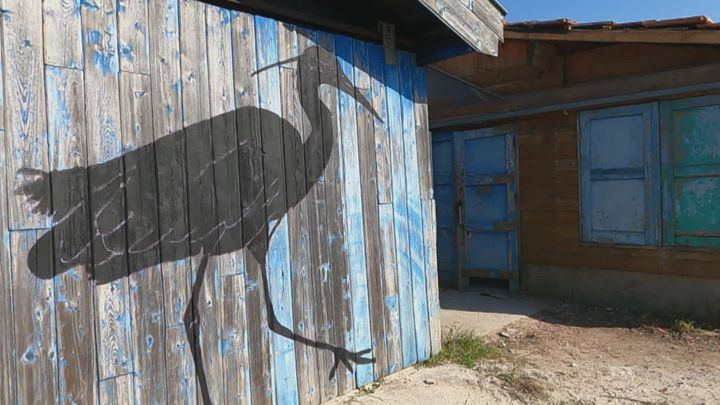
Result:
[[691, 171], [620, 179]]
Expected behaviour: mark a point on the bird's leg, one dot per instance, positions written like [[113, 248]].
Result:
[[192, 328], [341, 354]]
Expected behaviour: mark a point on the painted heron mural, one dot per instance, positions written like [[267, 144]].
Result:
[[116, 254]]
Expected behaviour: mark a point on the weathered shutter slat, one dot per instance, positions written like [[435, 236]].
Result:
[[691, 171], [620, 175]]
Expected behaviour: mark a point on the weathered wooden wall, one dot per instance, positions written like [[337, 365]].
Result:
[[202, 205], [550, 210]]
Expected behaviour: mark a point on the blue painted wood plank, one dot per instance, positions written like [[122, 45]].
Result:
[[8, 385], [133, 36], [355, 236], [34, 314], [414, 207], [73, 289], [113, 326], [402, 242], [62, 31], [387, 226], [26, 121], [511, 154], [335, 196], [278, 258]]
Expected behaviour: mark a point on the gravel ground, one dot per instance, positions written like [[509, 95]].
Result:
[[571, 355]]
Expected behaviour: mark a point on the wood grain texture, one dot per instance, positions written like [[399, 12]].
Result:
[[117, 391], [147, 301], [63, 35], [332, 147], [380, 128], [371, 221], [402, 241], [278, 253], [431, 273], [73, 289], [298, 218], [7, 351], [34, 313], [414, 208], [355, 235], [104, 143], [26, 124], [253, 199], [319, 254], [422, 133], [466, 24], [236, 374], [133, 36]]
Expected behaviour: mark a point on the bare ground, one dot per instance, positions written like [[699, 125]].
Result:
[[571, 355]]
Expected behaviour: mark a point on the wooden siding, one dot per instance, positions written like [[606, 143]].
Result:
[[550, 228], [205, 206]]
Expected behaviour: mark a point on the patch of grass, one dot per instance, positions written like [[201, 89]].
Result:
[[522, 385], [464, 348], [684, 326]]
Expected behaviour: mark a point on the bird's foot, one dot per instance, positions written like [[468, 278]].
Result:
[[347, 358]]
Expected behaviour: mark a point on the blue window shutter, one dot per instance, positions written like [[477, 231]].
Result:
[[620, 175], [691, 171]]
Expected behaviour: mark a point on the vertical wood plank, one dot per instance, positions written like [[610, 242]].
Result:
[[134, 43], [278, 257], [402, 247], [253, 203], [430, 231], [298, 220], [34, 305], [117, 391], [368, 178], [229, 205], [391, 313], [332, 147], [7, 351], [102, 112], [459, 181], [414, 208], [145, 280], [424, 150], [63, 35], [315, 159], [234, 341], [422, 132], [26, 127], [73, 289], [380, 127]]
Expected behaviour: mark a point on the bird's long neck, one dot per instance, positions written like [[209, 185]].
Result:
[[320, 141]]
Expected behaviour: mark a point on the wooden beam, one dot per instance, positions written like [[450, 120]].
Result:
[[702, 79], [707, 37]]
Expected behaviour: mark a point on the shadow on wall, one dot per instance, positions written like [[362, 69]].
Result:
[[120, 235]]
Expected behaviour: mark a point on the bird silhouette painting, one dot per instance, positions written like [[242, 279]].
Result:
[[115, 252]]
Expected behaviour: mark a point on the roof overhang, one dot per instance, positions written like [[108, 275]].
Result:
[[433, 29]]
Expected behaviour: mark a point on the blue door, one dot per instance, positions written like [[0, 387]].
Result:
[[477, 205]]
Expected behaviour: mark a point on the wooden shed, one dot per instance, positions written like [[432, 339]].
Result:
[[218, 201], [583, 163]]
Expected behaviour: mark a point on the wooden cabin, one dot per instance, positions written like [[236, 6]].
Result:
[[221, 201], [583, 164]]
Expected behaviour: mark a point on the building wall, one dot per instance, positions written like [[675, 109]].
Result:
[[554, 260], [202, 205]]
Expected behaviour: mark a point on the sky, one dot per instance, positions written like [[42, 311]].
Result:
[[613, 10]]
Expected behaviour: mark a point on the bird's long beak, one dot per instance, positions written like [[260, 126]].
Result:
[[344, 84]]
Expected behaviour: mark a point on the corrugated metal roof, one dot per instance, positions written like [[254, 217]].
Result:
[[566, 25]]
